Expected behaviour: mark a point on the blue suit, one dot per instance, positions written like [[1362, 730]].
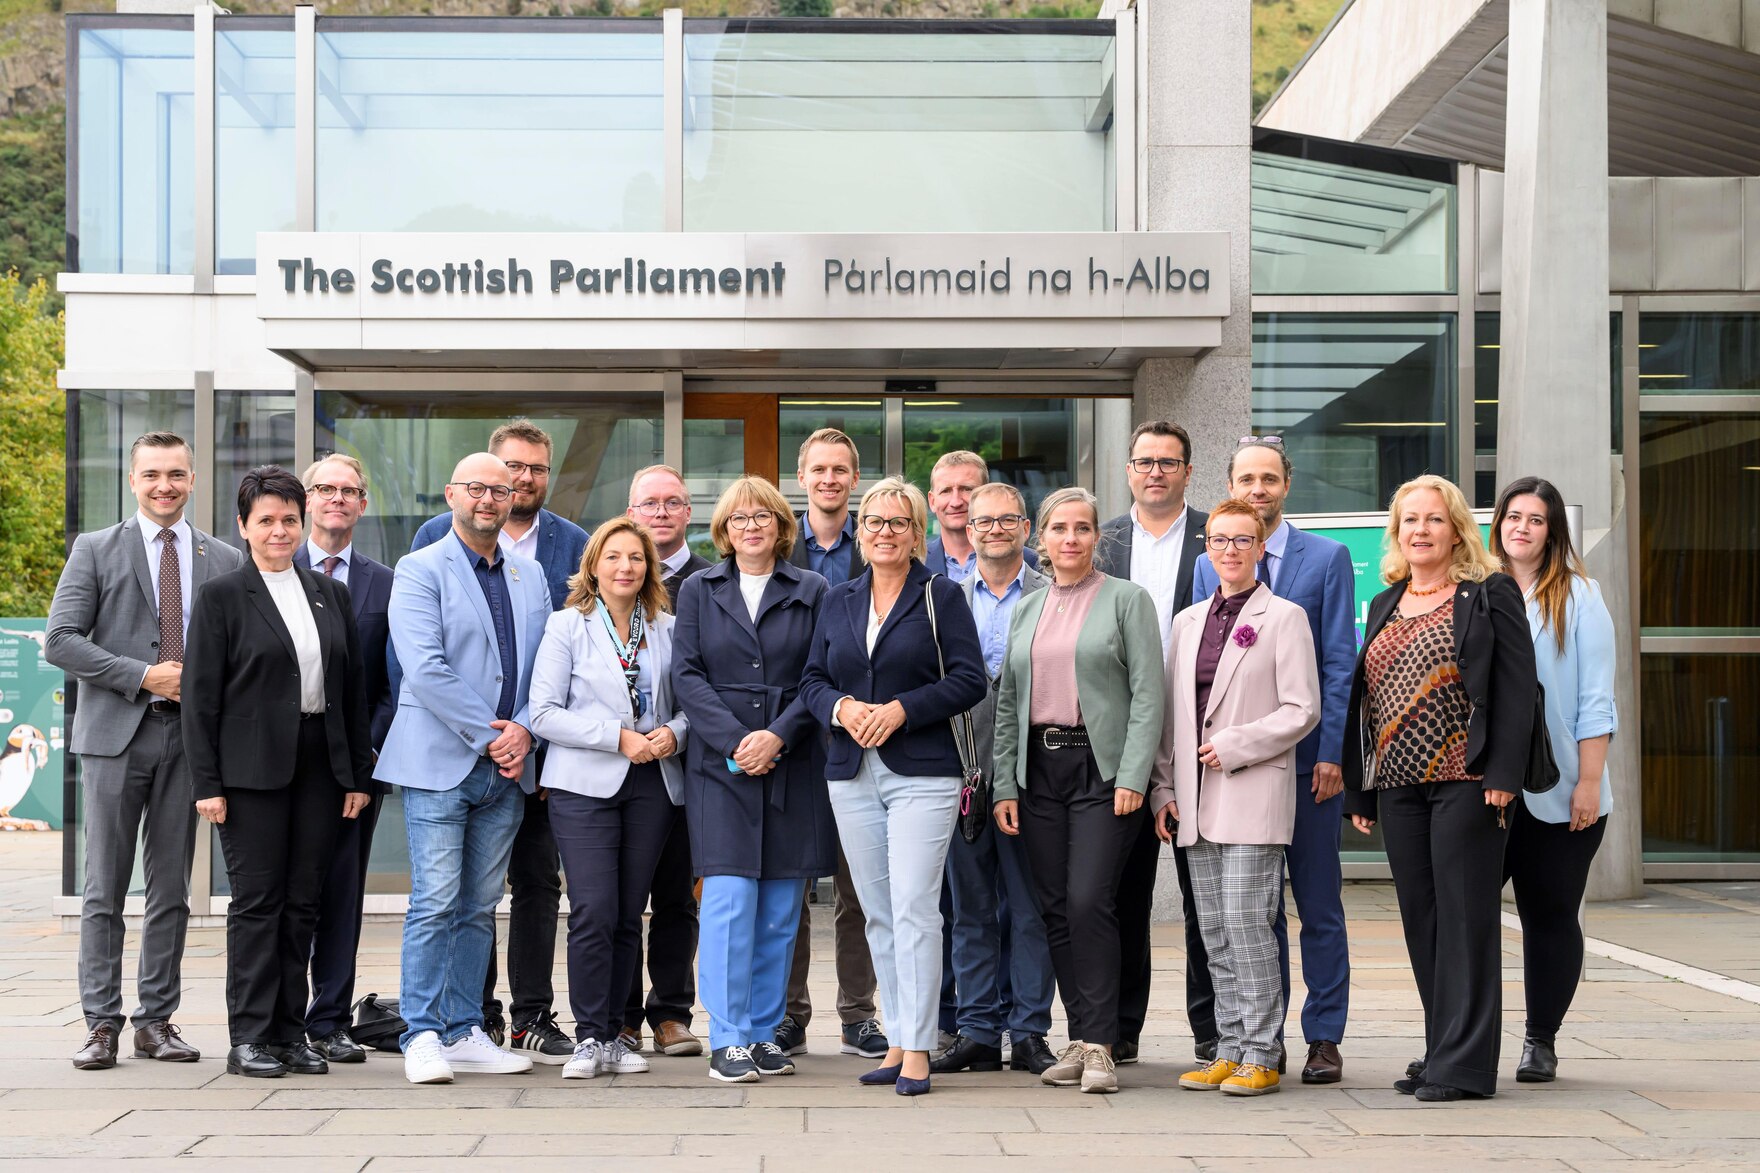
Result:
[[560, 545], [1315, 573]]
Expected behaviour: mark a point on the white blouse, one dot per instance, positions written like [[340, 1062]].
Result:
[[752, 587], [289, 594]]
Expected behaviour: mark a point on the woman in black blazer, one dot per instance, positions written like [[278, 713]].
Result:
[[279, 743], [1436, 746], [874, 680]]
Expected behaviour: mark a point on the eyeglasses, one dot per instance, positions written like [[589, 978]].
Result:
[[874, 525], [478, 488], [1006, 522], [517, 467], [1221, 542], [1148, 464], [349, 492], [760, 519], [1272, 441], [656, 508]]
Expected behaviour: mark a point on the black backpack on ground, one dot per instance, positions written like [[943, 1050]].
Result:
[[377, 1024]]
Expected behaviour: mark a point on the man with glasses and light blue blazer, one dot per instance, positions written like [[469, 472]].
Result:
[[466, 617]]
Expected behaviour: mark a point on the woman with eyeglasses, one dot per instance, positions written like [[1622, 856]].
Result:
[[1554, 836], [754, 773], [1436, 746], [894, 658], [1242, 681], [601, 697], [1079, 710]]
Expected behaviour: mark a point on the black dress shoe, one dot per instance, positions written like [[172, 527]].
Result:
[[162, 1041], [1204, 1050], [1441, 1093], [1539, 1061], [967, 1055], [1415, 1069], [1124, 1051], [254, 1060], [337, 1047], [1031, 1053], [1409, 1085], [300, 1059], [99, 1051]]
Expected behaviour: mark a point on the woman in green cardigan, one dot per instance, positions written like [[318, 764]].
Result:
[[1078, 721]]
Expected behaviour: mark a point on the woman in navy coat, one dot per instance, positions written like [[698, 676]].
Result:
[[755, 799]]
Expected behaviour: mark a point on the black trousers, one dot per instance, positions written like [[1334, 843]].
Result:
[[1549, 866], [610, 848], [1076, 849], [1200, 993], [1445, 850], [278, 845], [534, 876], [1136, 905], [336, 940], [672, 937]]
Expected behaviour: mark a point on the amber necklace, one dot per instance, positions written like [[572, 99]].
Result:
[[1441, 586]]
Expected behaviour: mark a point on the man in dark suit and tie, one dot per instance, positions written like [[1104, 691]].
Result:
[[535, 870], [117, 627], [1156, 545], [336, 499]]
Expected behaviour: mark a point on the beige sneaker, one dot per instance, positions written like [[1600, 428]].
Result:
[[1067, 1071], [1098, 1072]]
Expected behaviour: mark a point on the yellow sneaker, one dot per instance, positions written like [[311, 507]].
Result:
[[1249, 1079], [1209, 1078]]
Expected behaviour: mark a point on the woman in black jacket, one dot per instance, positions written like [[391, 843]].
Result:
[[1436, 746], [280, 749]]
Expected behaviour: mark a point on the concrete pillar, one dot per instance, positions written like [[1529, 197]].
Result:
[[1554, 416], [1196, 151]]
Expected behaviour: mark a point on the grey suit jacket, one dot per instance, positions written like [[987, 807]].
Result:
[[984, 713], [104, 628]]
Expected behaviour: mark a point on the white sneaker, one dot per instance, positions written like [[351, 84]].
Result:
[[617, 1059], [423, 1061], [586, 1062], [1007, 1042], [477, 1052]]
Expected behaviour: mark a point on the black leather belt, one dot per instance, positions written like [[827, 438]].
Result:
[[164, 708], [1059, 736]]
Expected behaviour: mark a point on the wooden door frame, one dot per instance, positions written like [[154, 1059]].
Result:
[[757, 411]]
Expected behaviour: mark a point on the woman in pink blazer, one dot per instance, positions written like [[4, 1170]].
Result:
[[1243, 690]]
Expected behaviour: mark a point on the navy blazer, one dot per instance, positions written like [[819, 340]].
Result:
[[560, 545], [695, 565], [903, 668], [1316, 576], [369, 586], [936, 560], [1113, 554]]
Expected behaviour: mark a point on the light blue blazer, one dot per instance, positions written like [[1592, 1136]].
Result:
[[1579, 693], [445, 641], [580, 705]]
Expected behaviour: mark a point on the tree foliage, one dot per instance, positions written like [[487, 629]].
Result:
[[32, 443]]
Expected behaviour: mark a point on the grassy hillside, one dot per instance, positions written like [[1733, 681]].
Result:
[[1282, 32]]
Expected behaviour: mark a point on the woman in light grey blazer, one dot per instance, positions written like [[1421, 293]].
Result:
[[602, 698]]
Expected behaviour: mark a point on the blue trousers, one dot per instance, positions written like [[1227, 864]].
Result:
[[1000, 988], [1316, 878], [746, 942]]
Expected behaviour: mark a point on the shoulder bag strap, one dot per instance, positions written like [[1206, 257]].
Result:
[[964, 740]]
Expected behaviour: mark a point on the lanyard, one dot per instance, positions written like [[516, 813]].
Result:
[[628, 652]]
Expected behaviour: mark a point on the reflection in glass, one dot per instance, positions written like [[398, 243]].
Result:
[[1030, 443], [253, 137], [1699, 521], [714, 457], [1363, 403], [1701, 759], [409, 443], [965, 131], [476, 130], [134, 128], [251, 428], [862, 420], [1693, 354]]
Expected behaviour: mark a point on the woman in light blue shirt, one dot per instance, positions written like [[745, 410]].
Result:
[[1555, 835]]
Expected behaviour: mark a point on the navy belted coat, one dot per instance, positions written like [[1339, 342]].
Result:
[[729, 677]]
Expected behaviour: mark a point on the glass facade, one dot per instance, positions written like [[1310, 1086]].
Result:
[[1699, 524], [1364, 402], [490, 126], [1699, 354], [253, 137], [1701, 757], [1004, 129], [251, 428], [131, 131], [1030, 443]]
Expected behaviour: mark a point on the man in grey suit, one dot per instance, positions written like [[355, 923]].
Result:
[[117, 626], [1001, 961]]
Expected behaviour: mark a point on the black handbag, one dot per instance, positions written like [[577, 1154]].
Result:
[[1542, 766], [974, 790], [377, 1024]]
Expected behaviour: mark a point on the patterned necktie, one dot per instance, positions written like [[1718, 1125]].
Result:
[[330, 565], [170, 600]]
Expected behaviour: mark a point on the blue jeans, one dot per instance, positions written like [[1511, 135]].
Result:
[[746, 944], [895, 829], [999, 988], [459, 844]]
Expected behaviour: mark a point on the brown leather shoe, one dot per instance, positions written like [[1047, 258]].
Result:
[[631, 1037], [675, 1038], [162, 1041], [1324, 1065], [99, 1051]]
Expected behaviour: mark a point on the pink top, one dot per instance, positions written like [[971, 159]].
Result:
[[1054, 700]]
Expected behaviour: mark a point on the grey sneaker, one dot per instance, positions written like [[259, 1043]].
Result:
[[791, 1036], [1067, 1071], [617, 1059], [733, 1065], [866, 1039], [771, 1059], [584, 1060], [1098, 1073]]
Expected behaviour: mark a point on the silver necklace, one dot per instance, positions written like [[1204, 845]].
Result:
[[1063, 593]]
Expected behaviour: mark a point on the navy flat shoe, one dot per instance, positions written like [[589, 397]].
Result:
[[907, 1086], [881, 1075]]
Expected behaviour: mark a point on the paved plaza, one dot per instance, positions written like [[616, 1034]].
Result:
[[1660, 1065]]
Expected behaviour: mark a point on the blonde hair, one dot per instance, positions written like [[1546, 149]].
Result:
[[764, 495], [1470, 560], [649, 471], [309, 477], [1056, 501], [583, 585], [958, 457], [829, 436], [899, 489]]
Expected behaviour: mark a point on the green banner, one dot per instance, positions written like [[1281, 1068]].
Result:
[[1364, 541], [32, 723]]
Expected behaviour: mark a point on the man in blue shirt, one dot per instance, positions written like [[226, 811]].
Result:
[[828, 469]]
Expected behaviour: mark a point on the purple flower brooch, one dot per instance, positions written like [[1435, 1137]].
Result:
[[1245, 636]]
